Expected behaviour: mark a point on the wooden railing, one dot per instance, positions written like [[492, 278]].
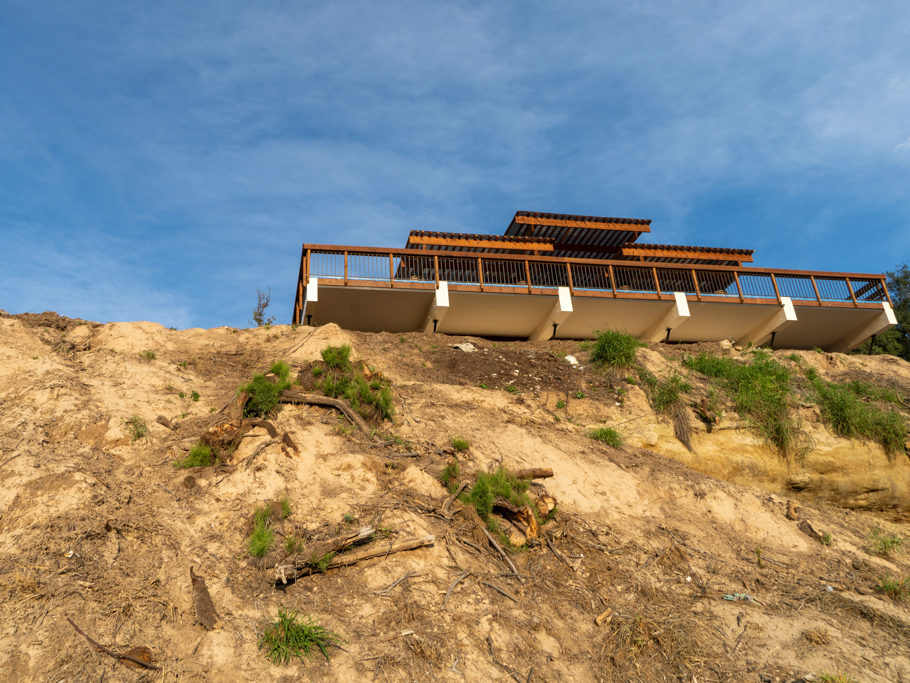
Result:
[[423, 269]]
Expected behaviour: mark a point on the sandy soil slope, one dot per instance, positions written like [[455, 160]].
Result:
[[103, 529]]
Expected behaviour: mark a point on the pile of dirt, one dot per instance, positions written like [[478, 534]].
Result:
[[659, 563]]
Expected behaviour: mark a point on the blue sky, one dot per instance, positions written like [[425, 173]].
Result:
[[161, 161]]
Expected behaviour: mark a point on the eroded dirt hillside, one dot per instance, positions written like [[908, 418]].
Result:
[[100, 527]]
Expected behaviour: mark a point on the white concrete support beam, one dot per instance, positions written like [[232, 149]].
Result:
[[438, 307], [678, 313], [879, 324], [784, 315], [557, 315], [310, 301]]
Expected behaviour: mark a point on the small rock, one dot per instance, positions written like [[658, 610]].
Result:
[[162, 420], [189, 482], [737, 347], [726, 344], [792, 511], [467, 347], [571, 360], [806, 527]]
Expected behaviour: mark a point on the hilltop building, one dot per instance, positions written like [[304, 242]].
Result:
[[566, 276]]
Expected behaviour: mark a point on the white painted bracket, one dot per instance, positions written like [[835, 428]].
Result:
[[438, 307], [557, 315], [783, 316], [877, 325], [678, 313], [310, 301]]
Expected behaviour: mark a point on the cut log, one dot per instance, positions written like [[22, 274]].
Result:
[[336, 544], [534, 473], [317, 400], [224, 438], [266, 425], [522, 517], [202, 602]]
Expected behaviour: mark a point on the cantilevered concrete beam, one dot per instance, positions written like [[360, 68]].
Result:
[[678, 313], [879, 324], [438, 307], [310, 301], [558, 313], [782, 316]]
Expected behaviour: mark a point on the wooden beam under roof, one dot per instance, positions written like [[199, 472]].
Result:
[[461, 241], [583, 222], [694, 254]]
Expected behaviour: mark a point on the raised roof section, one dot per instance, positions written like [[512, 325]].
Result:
[[579, 236], [677, 253], [484, 244]]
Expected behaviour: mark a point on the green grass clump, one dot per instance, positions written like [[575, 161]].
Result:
[[292, 636], [449, 476], [285, 508], [761, 391], [898, 589], [460, 444], [337, 357], [614, 349], [200, 456], [847, 410], [336, 378], [607, 435], [147, 355], [136, 427], [499, 484], [883, 544], [264, 394], [194, 396], [262, 536], [663, 393], [560, 405], [825, 677]]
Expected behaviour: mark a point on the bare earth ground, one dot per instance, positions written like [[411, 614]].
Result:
[[104, 530]]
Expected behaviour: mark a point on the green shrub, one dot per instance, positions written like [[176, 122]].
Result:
[[195, 396], [147, 355], [449, 476], [460, 444], [200, 456], [262, 536], [898, 589], [264, 394], [282, 369], [136, 427], [761, 391], [512, 389], [614, 349], [882, 544], [338, 357], [500, 484], [560, 405], [607, 435], [844, 410], [580, 395], [663, 394], [285, 508], [292, 636]]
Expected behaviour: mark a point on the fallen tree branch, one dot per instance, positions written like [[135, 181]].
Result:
[[502, 552], [500, 590], [451, 499], [316, 400], [110, 653], [458, 579]]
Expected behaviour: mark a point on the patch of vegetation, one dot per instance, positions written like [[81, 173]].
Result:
[[147, 355], [285, 508], [200, 456], [580, 395], [293, 636], [194, 396], [512, 389], [264, 393], [136, 428], [826, 539], [499, 484], [897, 589], [847, 410], [825, 677], [482, 385], [320, 564], [607, 435], [348, 518], [560, 405], [460, 444], [761, 391], [181, 394], [663, 394], [614, 349], [262, 536], [449, 476], [883, 544], [367, 392]]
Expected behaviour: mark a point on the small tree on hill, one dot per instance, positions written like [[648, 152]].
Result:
[[259, 312], [896, 341]]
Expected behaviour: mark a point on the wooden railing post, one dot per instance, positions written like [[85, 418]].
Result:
[[739, 288], [436, 268], [656, 281], [776, 290], [345, 268], [818, 297], [887, 295], [569, 273], [695, 280], [391, 270], [480, 272], [612, 281], [850, 289], [528, 275]]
